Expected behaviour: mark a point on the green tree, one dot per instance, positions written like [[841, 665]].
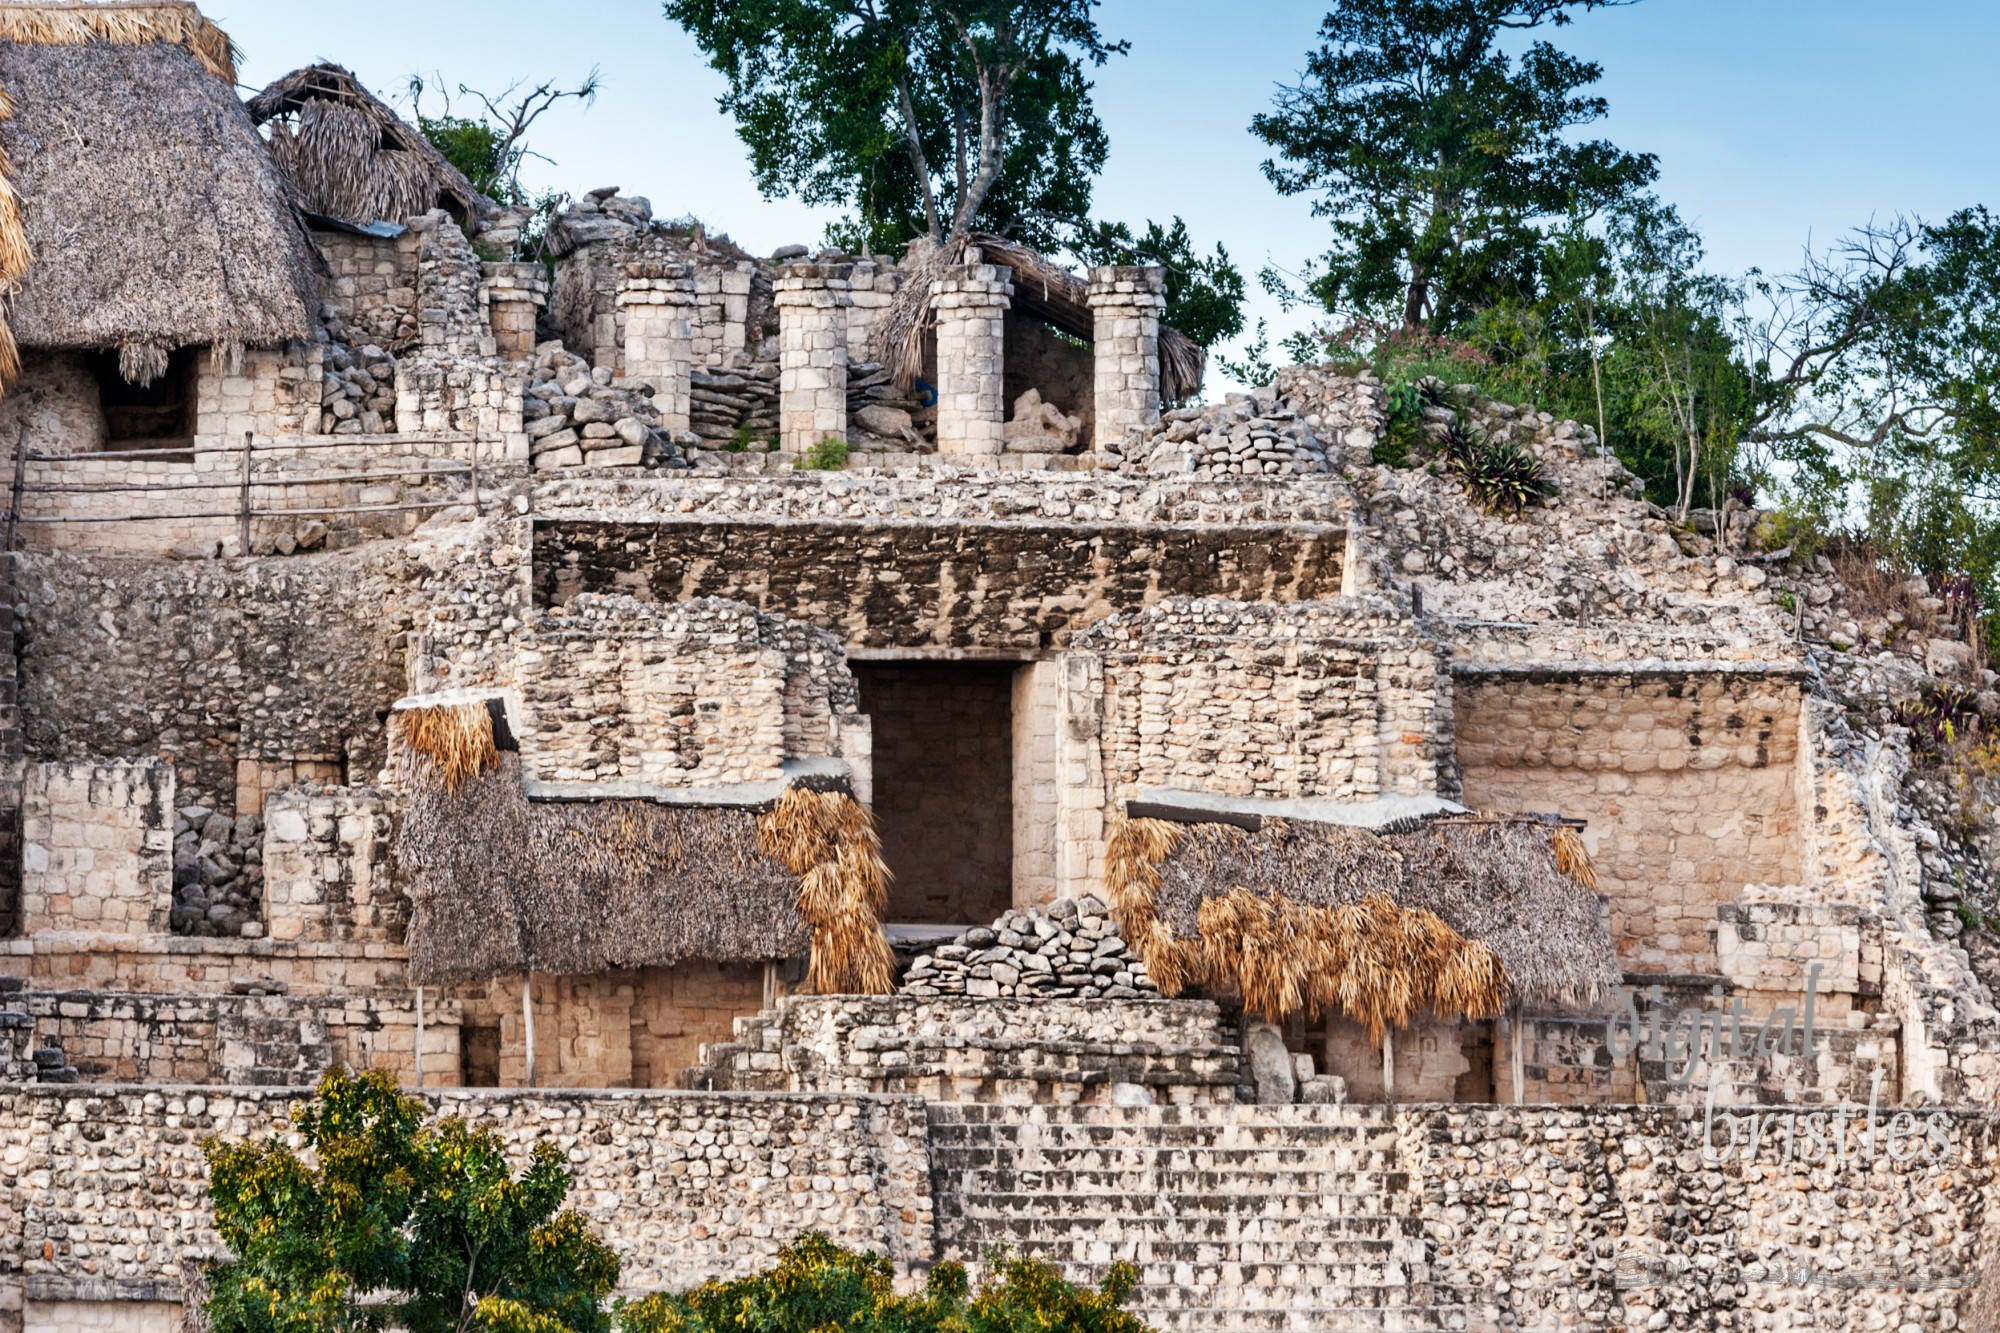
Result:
[[1436, 156], [394, 1224], [1204, 293], [927, 117], [816, 1285]]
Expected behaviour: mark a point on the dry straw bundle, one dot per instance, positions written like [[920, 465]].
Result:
[[457, 740], [1454, 918], [828, 839]]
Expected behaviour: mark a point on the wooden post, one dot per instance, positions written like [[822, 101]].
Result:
[[1518, 1055], [770, 983], [420, 1038], [1388, 1064], [20, 481], [528, 1017], [475, 474], [243, 526]]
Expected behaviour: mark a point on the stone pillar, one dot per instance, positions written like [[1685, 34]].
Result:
[[657, 301], [971, 302], [812, 301], [1125, 306], [515, 294]]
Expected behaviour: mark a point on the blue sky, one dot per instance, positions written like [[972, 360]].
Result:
[[1774, 120]]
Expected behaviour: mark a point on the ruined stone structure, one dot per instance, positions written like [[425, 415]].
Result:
[[1014, 629]]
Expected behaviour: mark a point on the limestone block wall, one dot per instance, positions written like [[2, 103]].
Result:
[[514, 295], [689, 694], [461, 395], [656, 300], [1125, 306], [585, 310], [871, 287], [107, 1187], [97, 847], [970, 302], [269, 392], [812, 302], [188, 964], [329, 871], [244, 1040], [720, 330], [909, 584], [372, 281], [1775, 948], [1687, 781]]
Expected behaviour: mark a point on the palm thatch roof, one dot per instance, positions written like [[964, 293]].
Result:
[[501, 885], [1042, 289], [1454, 916], [354, 159], [140, 211]]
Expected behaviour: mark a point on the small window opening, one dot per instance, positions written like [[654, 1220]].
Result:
[[159, 415]]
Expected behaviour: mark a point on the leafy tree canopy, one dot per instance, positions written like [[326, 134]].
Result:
[[1204, 293], [1435, 154], [393, 1224]]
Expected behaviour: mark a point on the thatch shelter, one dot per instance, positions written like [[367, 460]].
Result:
[[1457, 916], [140, 212], [1043, 290], [353, 159], [502, 885]]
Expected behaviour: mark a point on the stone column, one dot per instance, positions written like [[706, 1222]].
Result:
[[971, 302], [515, 293], [657, 301], [812, 302], [1125, 306]]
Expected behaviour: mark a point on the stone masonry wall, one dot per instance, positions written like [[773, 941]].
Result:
[[372, 282], [103, 1191], [206, 663], [52, 407], [1020, 584], [329, 871], [1687, 781], [97, 847]]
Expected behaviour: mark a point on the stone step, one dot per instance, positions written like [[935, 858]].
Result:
[[1273, 1117], [1141, 1181], [1226, 1201], [1266, 1239], [1339, 1159], [1163, 1141], [1307, 1317]]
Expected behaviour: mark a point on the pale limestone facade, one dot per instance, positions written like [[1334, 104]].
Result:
[[970, 302], [657, 301], [515, 295], [96, 847], [1125, 308], [812, 301]]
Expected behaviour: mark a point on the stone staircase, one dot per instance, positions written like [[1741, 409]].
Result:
[[751, 1062], [1239, 1219]]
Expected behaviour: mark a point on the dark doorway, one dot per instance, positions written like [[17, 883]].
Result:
[[159, 415], [944, 786]]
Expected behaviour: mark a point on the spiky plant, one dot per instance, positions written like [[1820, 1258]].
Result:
[[1505, 477]]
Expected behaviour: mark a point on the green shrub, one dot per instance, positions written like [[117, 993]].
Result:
[[816, 1285], [741, 441], [829, 455], [1504, 477]]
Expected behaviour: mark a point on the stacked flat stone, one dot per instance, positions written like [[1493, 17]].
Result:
[[23, 1059], [1070, 951], [576, 416], [218, 874], [1247, 435], [727, 403], [357, 390]]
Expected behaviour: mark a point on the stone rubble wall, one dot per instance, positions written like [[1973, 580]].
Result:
[[967, 1049], [371, 284], [1341, 699], [1072, 951], [243, 1040], [97, 847], [52, 407], [103, 1190]]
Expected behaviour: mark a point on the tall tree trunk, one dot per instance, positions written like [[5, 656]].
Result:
[[917, 159], [1418, 300]]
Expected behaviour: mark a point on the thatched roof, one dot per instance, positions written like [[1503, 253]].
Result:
[[1042, 289], [150, 216], [354, 159], [1299, 912], [501, 885]]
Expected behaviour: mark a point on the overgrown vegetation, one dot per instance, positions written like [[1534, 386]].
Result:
[[1478, 235], [490, 147], [383, 1222], [828, 455], [816, 1285]]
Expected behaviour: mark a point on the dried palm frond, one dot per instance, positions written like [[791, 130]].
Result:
[[1573, 858], [457, 739], [828, 839], [74, 24], [14, 254]]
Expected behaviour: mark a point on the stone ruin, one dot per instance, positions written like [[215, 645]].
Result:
[[1037, 604]]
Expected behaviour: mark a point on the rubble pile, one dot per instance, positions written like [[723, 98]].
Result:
[[575, 415], [218, 874], [1247, 435], [729, 406], [357, 390], [1070, 951]]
